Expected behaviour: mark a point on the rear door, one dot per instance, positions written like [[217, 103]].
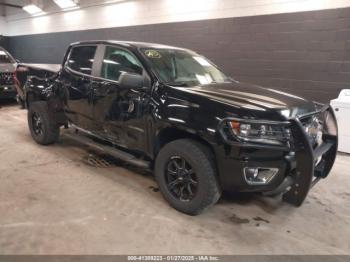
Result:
[[77, 78]]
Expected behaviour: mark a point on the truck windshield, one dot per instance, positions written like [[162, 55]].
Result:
[[5, 58], [183, 68]]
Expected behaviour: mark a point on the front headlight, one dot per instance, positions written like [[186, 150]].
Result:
[[259, 132]]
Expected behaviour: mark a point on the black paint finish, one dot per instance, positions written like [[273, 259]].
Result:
[[142, 120], [306, 53]]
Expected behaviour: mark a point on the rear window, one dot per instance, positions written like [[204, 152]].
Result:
[[5, 58], [81, 59]]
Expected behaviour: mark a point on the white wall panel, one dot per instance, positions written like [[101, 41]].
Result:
[[3, 26], [138, 12]]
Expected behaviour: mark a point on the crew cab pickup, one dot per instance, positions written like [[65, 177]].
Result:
[[173, 111]]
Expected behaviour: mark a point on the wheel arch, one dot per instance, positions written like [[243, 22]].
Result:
[[36, 89], [193, 150], [30, 98], [170, 134]]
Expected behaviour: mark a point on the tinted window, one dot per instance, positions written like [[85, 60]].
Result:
[[5, 58], [116, 61], [184, 68], [81, 59]]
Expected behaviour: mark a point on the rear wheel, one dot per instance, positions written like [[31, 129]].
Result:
[[43, 128], [186, 175]]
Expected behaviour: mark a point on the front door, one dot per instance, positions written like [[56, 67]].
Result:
[[119, 111], [77, 80]]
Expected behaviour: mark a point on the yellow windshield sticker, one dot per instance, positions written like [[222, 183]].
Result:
[[153, 54]]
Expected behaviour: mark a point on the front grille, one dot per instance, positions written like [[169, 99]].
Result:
[[6, 78]]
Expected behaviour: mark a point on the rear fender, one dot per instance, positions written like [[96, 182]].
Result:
[[37, 89]]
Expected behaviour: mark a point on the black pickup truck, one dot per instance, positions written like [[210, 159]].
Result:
[[172, 110]]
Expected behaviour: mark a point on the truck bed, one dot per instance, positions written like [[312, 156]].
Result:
[[47, 67]]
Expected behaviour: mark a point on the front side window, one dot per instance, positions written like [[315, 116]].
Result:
[[81, 59], [117, 61], [5, 58], [183, 68]]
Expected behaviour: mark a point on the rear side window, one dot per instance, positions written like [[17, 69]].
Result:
[[116, 61], [81, 59]]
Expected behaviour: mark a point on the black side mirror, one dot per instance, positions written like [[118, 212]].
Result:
[[130, 81]]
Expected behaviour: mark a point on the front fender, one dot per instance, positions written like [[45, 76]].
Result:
[[177, 110]]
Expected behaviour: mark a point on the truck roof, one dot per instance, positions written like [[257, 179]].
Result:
[[129, 44]]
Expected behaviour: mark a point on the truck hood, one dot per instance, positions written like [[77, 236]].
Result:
[[7, 68], [247, 96]]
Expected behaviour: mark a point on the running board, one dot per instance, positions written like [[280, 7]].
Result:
[[109, 150]]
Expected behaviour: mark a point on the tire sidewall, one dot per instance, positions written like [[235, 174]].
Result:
[[204, 174], [49, 131]]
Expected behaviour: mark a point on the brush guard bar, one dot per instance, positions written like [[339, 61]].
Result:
[[312, 163]]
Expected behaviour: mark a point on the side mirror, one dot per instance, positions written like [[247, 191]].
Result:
[[130, 81], [17, 61]]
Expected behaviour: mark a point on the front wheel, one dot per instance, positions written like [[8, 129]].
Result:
[[186, 175], [43, 128]]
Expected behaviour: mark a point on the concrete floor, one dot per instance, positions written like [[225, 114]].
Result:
[[52, 202]]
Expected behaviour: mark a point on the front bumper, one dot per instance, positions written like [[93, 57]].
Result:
[[300, 165], [7, 91], [312, 163]]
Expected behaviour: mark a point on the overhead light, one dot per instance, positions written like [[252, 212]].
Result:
[[113, 1], [64, 4], [33, 9]]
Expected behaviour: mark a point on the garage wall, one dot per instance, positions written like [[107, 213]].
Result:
[[3, 26], [306, 53], [3, 29], [4, 42], [94, 14]]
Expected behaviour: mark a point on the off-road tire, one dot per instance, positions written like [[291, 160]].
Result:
[[201, 160], [50, 129]]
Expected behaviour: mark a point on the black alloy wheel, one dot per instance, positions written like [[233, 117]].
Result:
[[181, 179], [37, 124]]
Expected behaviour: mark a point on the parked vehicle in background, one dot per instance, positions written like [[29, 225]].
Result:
[[7, 69], [174, 111]]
